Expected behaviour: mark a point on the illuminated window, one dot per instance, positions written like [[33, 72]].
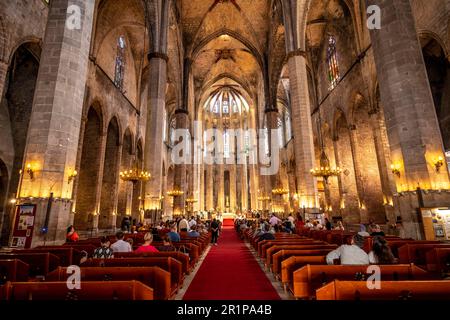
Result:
[[287, 121], [280, 132], [120, 63], [226, 100], [226, 144], [333, 66], [247, 141], [172, 128]]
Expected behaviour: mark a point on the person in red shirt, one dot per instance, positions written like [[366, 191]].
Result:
[[147, 247], [72, 235]]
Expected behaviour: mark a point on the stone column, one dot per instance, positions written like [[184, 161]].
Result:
[[3, 72], [98, 194], [302, 129], [412, 126], [54, 129], [209, 188], [363, 214], [154, 144], [180, 183]]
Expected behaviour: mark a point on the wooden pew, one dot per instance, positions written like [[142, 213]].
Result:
[[283, 254], [13, 270], [416, 253], [171, 265], [266, 244], [390, 290], [395, 244], [438, 260], [153, 277], [40, 263], [91, 290], [289, 265], [184, 259], [67, 255], [275, 249], [89, 248], [309, 278]]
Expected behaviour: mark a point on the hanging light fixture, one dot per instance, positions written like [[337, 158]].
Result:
[[325, 170], [135, 175]]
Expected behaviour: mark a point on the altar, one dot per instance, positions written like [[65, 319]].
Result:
[[228, 218]]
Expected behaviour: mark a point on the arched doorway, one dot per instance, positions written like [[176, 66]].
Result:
[[21, 83], [124, 186], [438, 75], [89, 168]]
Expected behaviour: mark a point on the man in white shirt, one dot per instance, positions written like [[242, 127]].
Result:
[[291, 220], [350, 254], [120, 245], [192, 222], [183, 225]]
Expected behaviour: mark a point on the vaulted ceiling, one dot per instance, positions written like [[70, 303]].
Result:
[[226, 39]]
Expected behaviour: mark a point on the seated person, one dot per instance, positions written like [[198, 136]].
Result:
[[350, 254], [72, 235], [173, 234], [120, 245], [193, 232], [167, 245], [83, 257], [147, 247], [376, 231], [103, 252], [381, 253]]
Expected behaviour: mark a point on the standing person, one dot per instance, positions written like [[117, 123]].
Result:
[[214, 231], [328, 225], [104, 251], [291, 220], [183, 225], [72, 235], [274, 220], [192, 222], [120, 245]]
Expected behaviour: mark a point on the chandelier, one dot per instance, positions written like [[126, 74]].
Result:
[[280, 191], [135, 175], [191, 200], [175, 193], [325, 171]]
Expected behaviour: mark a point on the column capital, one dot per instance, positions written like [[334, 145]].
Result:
[[158, 55], [295, 53]]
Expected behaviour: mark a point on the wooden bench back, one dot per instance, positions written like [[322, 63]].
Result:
[[67, 255], [263, 247], [283, 254], [275, 249], [13, 270], [171, 265], [289, 265], [390, 290], [438, 260], [184, 259], [91, 290], [39, 263], [416, 253], [309, 278], [153, 277]]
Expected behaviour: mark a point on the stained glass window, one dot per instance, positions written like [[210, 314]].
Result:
[[120, 63], [287, 121], [333, 66], [247, 141], [226, 144], [173, 125]]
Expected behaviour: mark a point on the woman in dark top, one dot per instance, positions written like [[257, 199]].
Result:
[[167, 245]]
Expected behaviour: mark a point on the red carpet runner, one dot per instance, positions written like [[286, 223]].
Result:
[[230, 272]]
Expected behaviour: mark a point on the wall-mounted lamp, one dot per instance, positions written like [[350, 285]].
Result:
[[72, 176], [30, 171], [395, 168], [439, 163]]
